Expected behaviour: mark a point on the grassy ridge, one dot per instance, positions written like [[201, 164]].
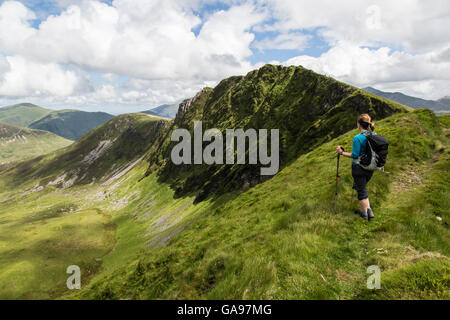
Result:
[[23, 114], [254, 245], [132, 134], [70, 124], [21, 143]]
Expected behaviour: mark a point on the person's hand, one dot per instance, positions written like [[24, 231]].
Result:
[[339, 149]]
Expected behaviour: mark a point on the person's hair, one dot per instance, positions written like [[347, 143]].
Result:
[[366, 121]]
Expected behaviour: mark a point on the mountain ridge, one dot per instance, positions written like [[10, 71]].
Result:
[[445, 100], [18, 143], [165, 110], [22, 114], [413, 102], [70, 124], [292, 99]]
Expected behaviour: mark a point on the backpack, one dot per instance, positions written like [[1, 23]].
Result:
[[376, 153]]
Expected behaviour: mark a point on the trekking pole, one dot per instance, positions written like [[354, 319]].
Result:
[[351, 200], [337, 179]]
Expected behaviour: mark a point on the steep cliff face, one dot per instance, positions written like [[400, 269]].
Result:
[[186, 104], [307, 108]]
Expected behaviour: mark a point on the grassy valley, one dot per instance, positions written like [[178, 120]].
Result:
[[63, 226]]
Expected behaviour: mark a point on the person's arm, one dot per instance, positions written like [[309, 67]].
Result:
[[356, 148], [342, 152]]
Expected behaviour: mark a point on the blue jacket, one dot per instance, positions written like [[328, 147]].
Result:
[[359, 145]]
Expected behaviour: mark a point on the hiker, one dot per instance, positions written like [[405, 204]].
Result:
[[360, 175]]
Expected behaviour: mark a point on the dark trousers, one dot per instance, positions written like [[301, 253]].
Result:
[[360, 179]]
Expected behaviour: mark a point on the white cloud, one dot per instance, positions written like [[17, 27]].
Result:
[[146, 53], [413, 24], [135, 39], [105, 92], [26, 78], [284, 41], [14, 26], [427, 89], [392, 45], [142, 39], [365, 67], [4, 66]]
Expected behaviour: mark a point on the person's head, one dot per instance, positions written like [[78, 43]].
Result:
[[365, 122]]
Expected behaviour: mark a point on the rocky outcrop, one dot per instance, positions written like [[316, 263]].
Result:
[[185, 104]]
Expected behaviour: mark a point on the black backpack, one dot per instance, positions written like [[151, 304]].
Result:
[[376, 153]]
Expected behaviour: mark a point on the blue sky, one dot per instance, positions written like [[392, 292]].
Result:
[[125, 55]]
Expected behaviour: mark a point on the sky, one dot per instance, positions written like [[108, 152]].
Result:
[[129, 55]]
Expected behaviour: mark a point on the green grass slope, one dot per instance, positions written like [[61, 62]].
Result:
[[22, 115], [21, 143], [71, 124], [282, 240]]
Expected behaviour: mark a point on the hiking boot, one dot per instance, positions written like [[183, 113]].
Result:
[[370, 214], [364, 215]]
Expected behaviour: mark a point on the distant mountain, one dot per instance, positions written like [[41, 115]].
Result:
[[71, 124], [165, 110], [23, 114], [18, 143], [445, 100], [437, 106], [150, 112]]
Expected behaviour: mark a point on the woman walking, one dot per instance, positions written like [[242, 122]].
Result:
[[360, 175]]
